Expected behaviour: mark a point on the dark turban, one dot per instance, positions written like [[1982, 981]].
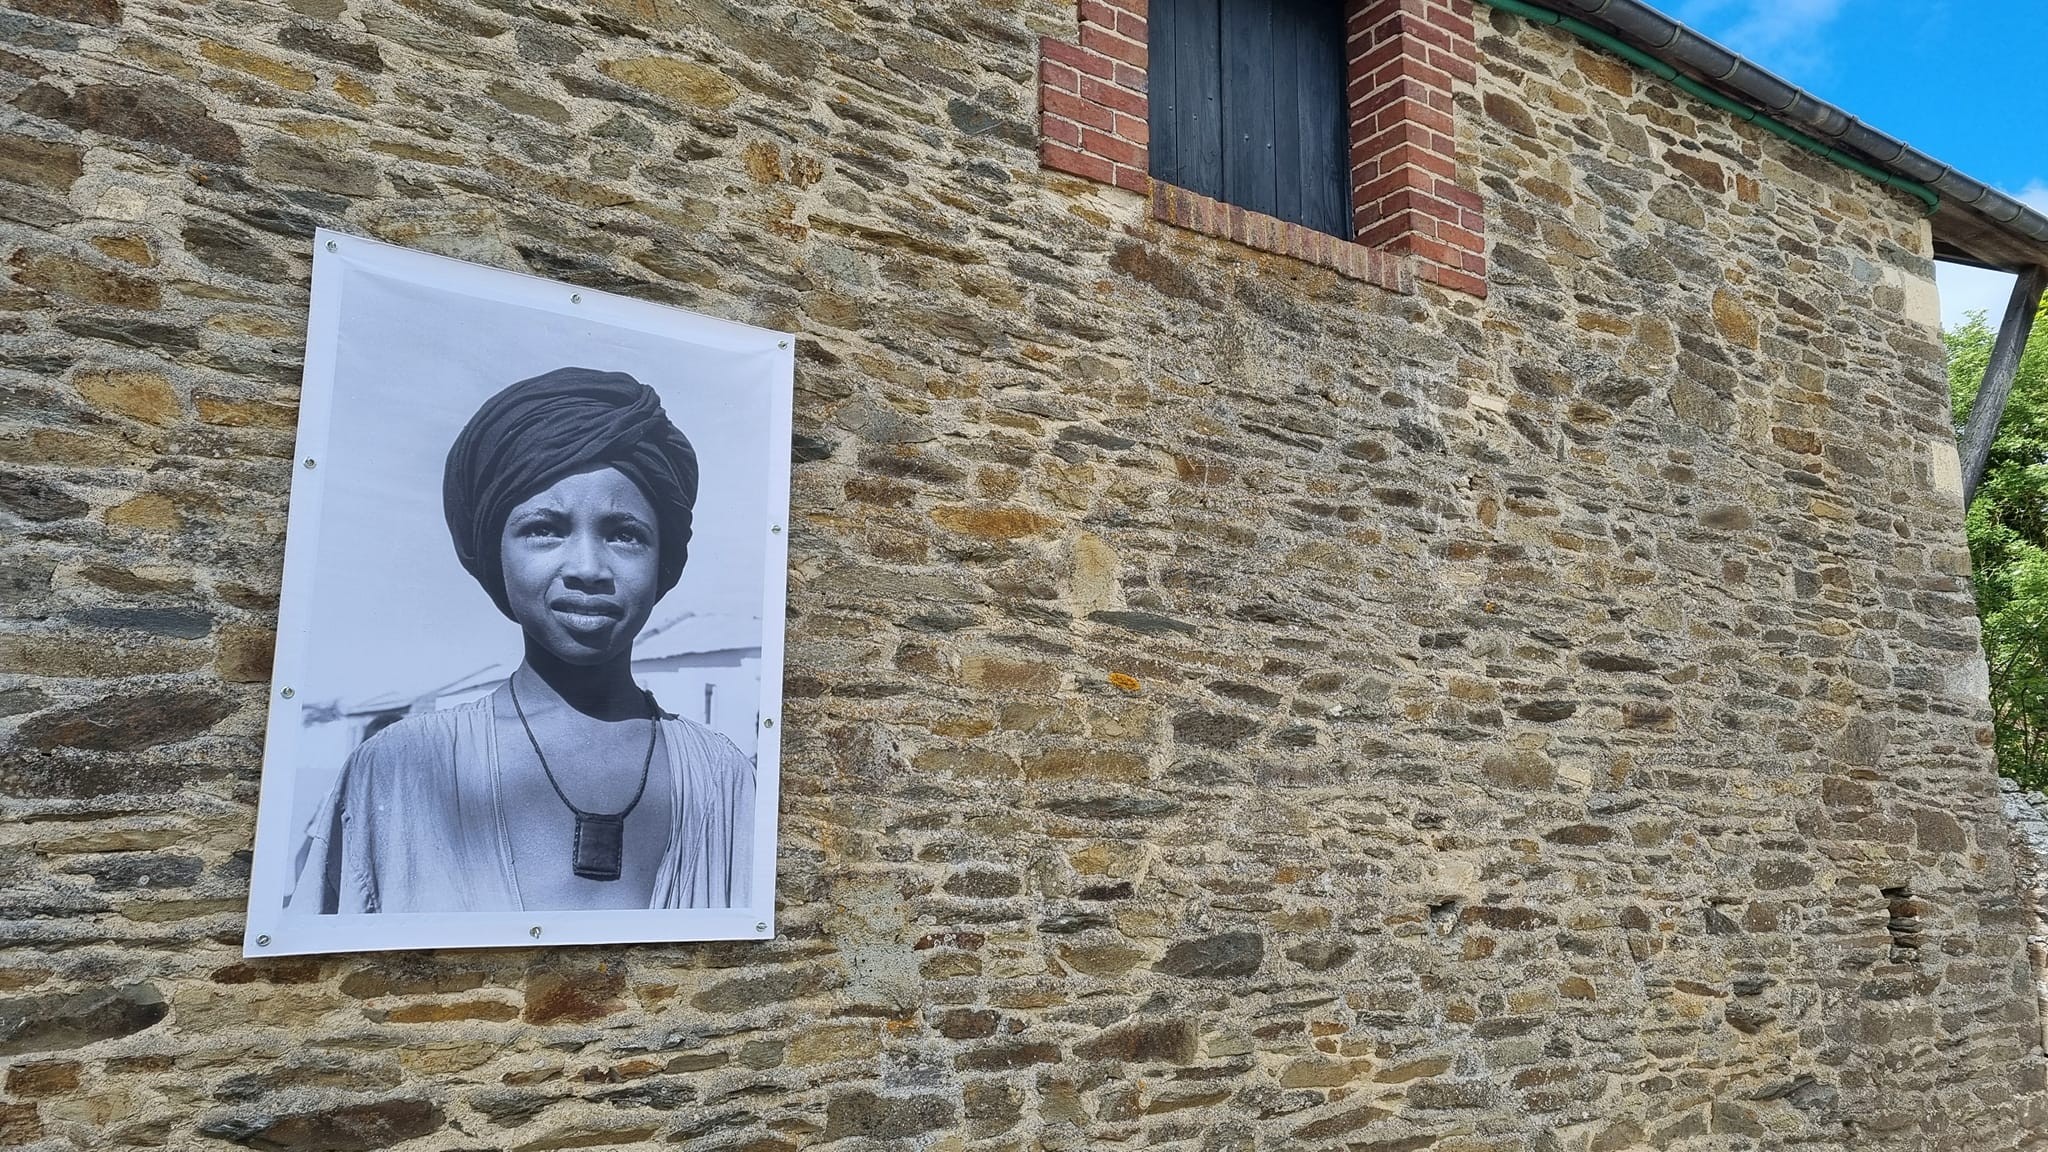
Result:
[[537, 431]]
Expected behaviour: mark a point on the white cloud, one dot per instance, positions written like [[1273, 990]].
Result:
[[1773, 24], [2034, 195], [1700, 13], [1965, 289], [1786, 36]]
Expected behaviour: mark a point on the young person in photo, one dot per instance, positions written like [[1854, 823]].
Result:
[[569, 498]]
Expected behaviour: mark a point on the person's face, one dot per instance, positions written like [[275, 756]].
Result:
[[582, 565]]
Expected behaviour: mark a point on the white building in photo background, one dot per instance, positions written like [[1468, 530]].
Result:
[[702, 668]]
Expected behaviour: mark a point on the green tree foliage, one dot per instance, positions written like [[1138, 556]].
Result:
[[2007, 526]]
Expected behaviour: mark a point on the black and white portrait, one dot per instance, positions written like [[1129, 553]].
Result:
[[530, 633]]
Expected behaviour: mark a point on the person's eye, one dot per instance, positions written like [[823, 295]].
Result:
[[629, 535], [537, 529]]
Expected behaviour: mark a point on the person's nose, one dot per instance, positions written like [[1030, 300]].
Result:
[[585, 563]]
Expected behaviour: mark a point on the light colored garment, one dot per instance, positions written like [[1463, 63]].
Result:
[[413, 823]]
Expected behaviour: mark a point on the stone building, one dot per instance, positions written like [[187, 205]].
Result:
[[1503, 682]]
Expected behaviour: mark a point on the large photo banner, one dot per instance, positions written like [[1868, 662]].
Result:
[[529, 657]]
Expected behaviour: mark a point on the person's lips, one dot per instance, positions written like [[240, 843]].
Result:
[[586, 611]]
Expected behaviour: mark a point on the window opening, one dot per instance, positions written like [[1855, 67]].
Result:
[[1247, 106]]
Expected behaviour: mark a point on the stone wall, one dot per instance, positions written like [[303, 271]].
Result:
[[1229, 706], [2028, 812]]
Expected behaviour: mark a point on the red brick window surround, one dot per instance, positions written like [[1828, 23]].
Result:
[[1404, 62]]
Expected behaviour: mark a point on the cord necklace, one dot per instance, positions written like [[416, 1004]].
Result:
[[599, 851]]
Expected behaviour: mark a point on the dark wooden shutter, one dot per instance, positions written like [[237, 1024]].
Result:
[[1247, 102], [1185, 88]]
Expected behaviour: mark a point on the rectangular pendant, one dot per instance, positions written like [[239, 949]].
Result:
[[600, 846]]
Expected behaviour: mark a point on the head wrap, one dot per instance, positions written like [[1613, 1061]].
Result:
[[536, 432]]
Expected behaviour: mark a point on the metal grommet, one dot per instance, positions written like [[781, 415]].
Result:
[[777, 529], [311, 463], [761, 927], [263, 941], [782, 343], [287, 693], [330, 246], [575, 297], [534, 931], [768, 723]]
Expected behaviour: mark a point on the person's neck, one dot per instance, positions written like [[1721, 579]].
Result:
[[600, 691]]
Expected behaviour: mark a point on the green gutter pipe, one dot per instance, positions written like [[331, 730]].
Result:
[[1703, 93]]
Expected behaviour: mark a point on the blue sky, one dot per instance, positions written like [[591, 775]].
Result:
[[1957, 79]]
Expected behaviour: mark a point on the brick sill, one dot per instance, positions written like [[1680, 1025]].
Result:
[[1195, 212]]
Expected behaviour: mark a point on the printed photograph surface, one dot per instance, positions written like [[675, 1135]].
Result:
[[530, 632]]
